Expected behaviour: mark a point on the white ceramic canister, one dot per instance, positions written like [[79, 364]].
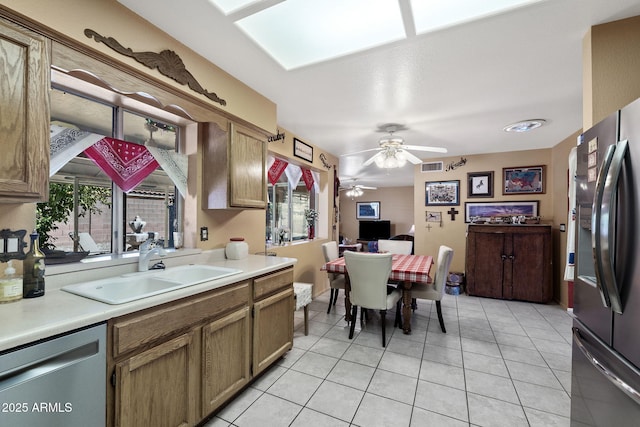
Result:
[[237, 248]]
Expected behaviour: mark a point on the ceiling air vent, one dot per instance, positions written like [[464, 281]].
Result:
[[432, 167]]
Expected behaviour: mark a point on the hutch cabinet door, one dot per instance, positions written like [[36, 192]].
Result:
[[485, 265]]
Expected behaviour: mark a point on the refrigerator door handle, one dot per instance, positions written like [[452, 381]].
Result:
[[604, 370], [596, 233], [607, 225]]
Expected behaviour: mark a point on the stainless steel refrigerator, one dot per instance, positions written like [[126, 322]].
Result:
[[605, 387]]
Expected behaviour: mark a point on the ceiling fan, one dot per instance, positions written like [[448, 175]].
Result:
[[356, 190], [393, 153]]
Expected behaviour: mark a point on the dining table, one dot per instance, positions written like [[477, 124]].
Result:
[[406, 269]]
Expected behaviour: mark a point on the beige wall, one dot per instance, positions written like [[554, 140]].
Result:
[[110, 19], [611, 66], [396, 205], [453, 233]]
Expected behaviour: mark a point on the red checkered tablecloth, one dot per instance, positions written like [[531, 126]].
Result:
[[413, 268]]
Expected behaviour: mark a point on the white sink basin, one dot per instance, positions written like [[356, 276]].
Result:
[[195, 273], [130, 287]]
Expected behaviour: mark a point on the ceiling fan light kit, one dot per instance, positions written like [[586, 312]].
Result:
[[391, 159], [392, 152]]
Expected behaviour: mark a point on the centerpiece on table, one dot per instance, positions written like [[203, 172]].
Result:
[[311, 215]]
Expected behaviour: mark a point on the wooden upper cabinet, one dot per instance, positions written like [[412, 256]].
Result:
[[233, 166], [24, 114]]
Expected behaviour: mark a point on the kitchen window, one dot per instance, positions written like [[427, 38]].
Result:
[[288, 199], [97, 205]]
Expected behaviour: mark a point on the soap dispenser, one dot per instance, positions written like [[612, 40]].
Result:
[[10, 285]]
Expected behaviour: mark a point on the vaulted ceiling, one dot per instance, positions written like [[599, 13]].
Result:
[[455, 87]]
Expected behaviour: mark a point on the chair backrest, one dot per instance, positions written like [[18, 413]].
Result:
[[87, 243], [368, 274], [330, 252], [401, 247], [445, 255]]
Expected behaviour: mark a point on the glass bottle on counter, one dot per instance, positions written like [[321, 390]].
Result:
[[10, 285], [33, 270]]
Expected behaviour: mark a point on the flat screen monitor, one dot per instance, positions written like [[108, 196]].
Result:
[[374, 230]]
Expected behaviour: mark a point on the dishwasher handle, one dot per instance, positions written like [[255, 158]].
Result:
[[48, 364]]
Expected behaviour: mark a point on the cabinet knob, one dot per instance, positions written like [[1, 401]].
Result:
[[504, 257]]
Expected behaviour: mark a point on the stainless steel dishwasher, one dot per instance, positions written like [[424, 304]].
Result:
[[56, 383]]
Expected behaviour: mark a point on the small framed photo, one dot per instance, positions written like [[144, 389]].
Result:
[[480, 184], [367, 210], [442, 193], [302, 150], [523, 180], [431, 216]]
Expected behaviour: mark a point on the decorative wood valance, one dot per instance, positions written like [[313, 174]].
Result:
[[167, 62]]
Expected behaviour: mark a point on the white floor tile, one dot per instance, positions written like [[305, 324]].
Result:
[[500, 363]]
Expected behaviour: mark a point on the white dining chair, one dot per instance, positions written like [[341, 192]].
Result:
[[368, 276], [336, 280], [401, 247], [435, 290]]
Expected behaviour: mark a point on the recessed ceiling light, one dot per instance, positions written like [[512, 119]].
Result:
[[524, 126]]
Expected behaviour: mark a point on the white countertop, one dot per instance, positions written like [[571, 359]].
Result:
[[29, 320]]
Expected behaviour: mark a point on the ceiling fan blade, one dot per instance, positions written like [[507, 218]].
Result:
[[363, 151], [411, 157], [421, 148], [364, 187], [373, 158]]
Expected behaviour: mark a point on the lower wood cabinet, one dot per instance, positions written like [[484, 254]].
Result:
[[509, 262], [272, 332], [158, 387], [175, 364], [226, 350]]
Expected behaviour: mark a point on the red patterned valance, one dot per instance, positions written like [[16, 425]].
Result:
[[276, 170], [126, 163]]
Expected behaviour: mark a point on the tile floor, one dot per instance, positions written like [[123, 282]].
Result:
[[501, 363]]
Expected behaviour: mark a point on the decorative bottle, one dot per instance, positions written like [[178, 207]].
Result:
[[33, 270]]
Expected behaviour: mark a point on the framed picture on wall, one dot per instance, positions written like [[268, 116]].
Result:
[[480, 184], [442, 193], [523, 180], [302, 150], [367, 210], [486, 210]]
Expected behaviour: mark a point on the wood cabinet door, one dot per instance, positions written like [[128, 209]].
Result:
[[530, 281], [272, 329], [247, 169], [485, 264], [24, 115], [225, 358], [159, 387]]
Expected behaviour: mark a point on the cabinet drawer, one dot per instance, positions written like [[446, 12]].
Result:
[[137, 330], [267, 285]]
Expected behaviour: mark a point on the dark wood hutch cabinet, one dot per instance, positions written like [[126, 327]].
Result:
[[509, 262]]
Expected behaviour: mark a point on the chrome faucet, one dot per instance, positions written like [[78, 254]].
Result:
[[148, 248]]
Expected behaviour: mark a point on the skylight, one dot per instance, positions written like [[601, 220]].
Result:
[[300, 32], [431, 15], [296, 33]]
